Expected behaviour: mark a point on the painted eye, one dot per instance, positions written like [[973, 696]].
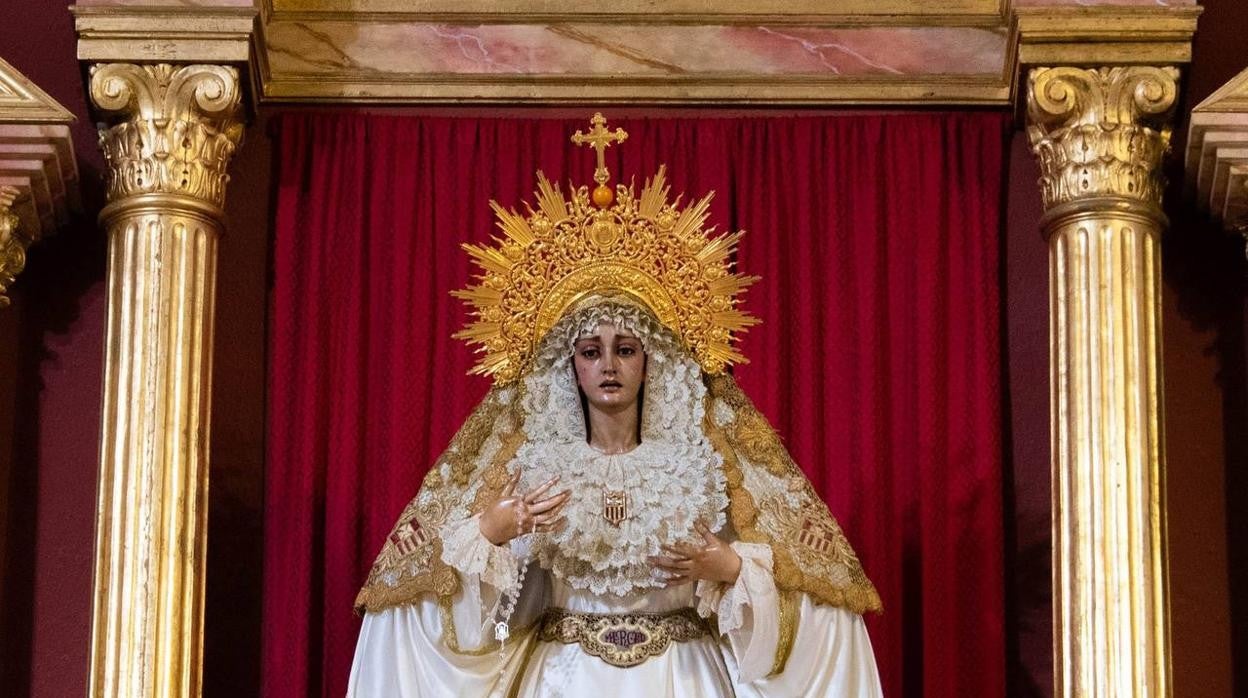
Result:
[[627, 351], [589, 353]]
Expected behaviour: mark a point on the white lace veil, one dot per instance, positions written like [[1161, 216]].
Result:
[[673, 398]]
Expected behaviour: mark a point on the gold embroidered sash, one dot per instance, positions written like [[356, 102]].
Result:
[[622, 640]]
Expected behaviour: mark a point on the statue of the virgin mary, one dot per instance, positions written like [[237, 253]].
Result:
[[615, 518]]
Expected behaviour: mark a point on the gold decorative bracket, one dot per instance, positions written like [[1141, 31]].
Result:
[[201, 32], [210, 32], [1105, 34], [1217, 155], [12, 246], [38, 173]]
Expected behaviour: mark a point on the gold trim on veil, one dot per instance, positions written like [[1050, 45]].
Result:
[[550, 263]]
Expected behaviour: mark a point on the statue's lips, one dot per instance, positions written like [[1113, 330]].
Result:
[[610, 384]]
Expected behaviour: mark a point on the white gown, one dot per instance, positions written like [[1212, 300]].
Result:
[[436, 648], [403, 652]]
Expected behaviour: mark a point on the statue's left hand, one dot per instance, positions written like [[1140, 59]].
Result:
[[713, 561]]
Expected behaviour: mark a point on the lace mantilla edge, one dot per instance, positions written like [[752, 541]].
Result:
[[410, 564], [810, 552]]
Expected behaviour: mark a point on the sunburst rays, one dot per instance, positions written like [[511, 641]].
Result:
[[523, 279]]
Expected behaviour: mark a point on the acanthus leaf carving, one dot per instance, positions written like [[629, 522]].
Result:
[[175, 128], [1101, 131]]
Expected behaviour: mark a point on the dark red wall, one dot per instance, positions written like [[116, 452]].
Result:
[[1207, 404], [52, 354], [50, 371], [1027, 411]]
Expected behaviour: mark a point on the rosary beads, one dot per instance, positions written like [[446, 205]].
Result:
[[502, 629]]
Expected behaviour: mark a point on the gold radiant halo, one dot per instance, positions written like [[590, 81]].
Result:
[[564, 250]]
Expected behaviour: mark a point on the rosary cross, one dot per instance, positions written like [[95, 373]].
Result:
[[598, 139]]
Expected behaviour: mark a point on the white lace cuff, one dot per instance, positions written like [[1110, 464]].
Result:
[[466, 549], [729, 601]]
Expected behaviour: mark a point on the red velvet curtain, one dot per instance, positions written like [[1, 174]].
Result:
[[878, 360]]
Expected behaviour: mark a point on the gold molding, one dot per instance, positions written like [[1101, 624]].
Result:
[[1217, 154], [1231, 97], [38, 159], [38, 172], [1105, 35], [21, 101], [173, 34], [1100, 136], [737, 90], [170, 134]]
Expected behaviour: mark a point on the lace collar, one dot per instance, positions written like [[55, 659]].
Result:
[[668, 485], [672, 479]]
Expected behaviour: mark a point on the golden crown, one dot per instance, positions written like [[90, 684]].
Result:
[[564, 251]]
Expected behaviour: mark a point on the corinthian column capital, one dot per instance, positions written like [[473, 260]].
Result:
[[173, 132], [1101, 132]]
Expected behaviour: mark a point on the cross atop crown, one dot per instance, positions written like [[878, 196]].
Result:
[[599, 138]]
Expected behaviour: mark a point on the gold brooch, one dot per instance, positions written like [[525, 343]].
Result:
[[565, 250]]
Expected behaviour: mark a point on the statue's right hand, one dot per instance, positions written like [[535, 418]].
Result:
[[513, 515]]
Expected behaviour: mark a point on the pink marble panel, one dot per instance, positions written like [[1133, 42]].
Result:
[[637, 50]]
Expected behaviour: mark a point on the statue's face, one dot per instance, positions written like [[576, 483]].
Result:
[[610, 367]]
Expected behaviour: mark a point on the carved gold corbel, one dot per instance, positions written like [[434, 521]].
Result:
[[1217, 155], [12, 245], [38, 174], [1100, 136], [169, 135]]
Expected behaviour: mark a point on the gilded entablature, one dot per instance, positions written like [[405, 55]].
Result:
[[953, 52], [1101, 132], [179, 128]]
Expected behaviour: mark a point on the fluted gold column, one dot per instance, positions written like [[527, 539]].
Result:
[[1100, 136], [171, 133]]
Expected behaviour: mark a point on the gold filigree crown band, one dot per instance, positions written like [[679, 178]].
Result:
[[565, 250]]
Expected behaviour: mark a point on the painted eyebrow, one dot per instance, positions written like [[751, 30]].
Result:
[[598, 339]]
